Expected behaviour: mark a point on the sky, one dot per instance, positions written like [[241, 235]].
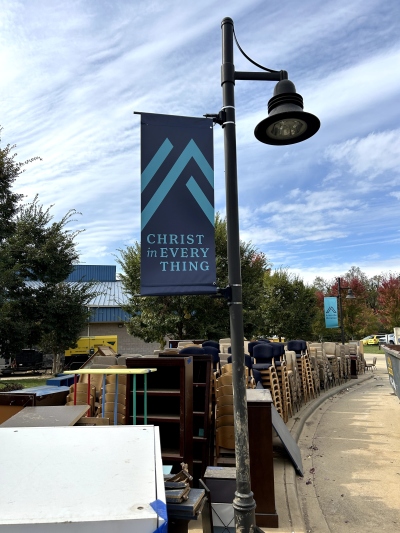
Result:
[[73, 74]]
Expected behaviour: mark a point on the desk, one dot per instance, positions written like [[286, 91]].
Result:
[[46, 416], [80, 479], [116, 372]]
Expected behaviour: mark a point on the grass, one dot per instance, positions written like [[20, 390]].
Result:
[[371, 348], [26, 383]]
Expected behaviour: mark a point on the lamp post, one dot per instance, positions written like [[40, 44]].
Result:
[[350, 296], [287, 124]]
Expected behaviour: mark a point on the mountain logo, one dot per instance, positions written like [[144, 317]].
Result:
[[330, 310], [191, 150]]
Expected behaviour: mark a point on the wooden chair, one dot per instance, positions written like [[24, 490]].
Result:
[[223, 410], [110, 398], [121, 419], [109, 407], [225, 379], [371, 366], [93, 421], [226, 420], [226, 399], [224, 391], [224, 438]]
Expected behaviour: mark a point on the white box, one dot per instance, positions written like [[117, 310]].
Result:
[[223, 517], [81, 479]]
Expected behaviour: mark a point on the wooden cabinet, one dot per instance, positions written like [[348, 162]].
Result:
[[169, 405], [203, 429]]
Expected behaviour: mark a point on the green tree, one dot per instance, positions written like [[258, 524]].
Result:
[[194, 317], [36, 255], [290, 307]]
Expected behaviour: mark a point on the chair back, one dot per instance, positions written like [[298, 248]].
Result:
[[295, 346], [214, 344], [263, 352], [192, 350], [248, 361]]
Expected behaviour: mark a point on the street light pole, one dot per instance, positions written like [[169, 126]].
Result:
[[349, 296], [341, 311], [243, 503], [287, 124]]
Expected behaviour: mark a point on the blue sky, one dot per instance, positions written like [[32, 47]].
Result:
[[73, 73]]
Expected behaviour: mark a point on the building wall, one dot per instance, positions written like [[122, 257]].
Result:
[[127, 344]]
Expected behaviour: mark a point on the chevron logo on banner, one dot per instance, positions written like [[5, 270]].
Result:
[[190, 151]]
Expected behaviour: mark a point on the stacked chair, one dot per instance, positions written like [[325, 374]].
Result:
[[304, 367], [113, 400], [83, 396], [266, 360], [224, 422]]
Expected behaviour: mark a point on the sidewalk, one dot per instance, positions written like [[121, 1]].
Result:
[[349, 442], [350, 450]]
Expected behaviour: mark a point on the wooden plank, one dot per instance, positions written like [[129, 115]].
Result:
[[287, 440], [47, 416], [111, 371]]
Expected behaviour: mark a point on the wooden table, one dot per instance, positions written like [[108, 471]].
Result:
[[46, 416], [116, 372]]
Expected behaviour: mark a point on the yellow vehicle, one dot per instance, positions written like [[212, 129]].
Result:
[[87, 346], [371, 339]]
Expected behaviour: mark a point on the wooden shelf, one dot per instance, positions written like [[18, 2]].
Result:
[[203, 451], [169, 405]]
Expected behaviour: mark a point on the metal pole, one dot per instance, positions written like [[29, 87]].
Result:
[[243, 503], [341, 310]]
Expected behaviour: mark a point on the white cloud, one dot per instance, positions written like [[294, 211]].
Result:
[[370, 156]]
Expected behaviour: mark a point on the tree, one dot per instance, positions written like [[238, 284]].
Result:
[[389, 300], [359, 315], [290, 306], [36, 256], [194, 317]]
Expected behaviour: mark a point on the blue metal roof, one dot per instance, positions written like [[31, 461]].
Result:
[[109, 294], [108, 297], [93, 273], [108, 314]]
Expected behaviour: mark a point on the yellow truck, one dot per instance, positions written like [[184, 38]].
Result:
[[87, 346]]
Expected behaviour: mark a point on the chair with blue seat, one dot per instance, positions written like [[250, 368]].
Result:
[[214, 352], [263, 353], [257, 376], [214, 344], [250, 346], [298, 346], [248, 361]]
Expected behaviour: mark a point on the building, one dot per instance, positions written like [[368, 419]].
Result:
[[107, 316]]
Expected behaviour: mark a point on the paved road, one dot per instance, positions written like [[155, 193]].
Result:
[[351, 456]]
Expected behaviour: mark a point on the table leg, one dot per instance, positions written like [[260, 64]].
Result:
[[103, 398], [145, 398], [75, 382], [134, 400], [116, 401]]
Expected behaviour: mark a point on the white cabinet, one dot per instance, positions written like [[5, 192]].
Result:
[[81, 479]]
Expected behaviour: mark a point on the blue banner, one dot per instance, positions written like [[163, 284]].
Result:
[[331, 312], [177, 203]]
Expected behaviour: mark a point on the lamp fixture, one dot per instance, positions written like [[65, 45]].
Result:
[[350, 295], [286, 123]]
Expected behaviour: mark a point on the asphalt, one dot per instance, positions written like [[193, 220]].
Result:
[[349, 441]]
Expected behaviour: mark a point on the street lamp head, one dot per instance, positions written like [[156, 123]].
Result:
[[350, 295], [286, 123]]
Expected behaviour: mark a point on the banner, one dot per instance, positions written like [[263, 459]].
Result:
[[177, 205], [331, 312]]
